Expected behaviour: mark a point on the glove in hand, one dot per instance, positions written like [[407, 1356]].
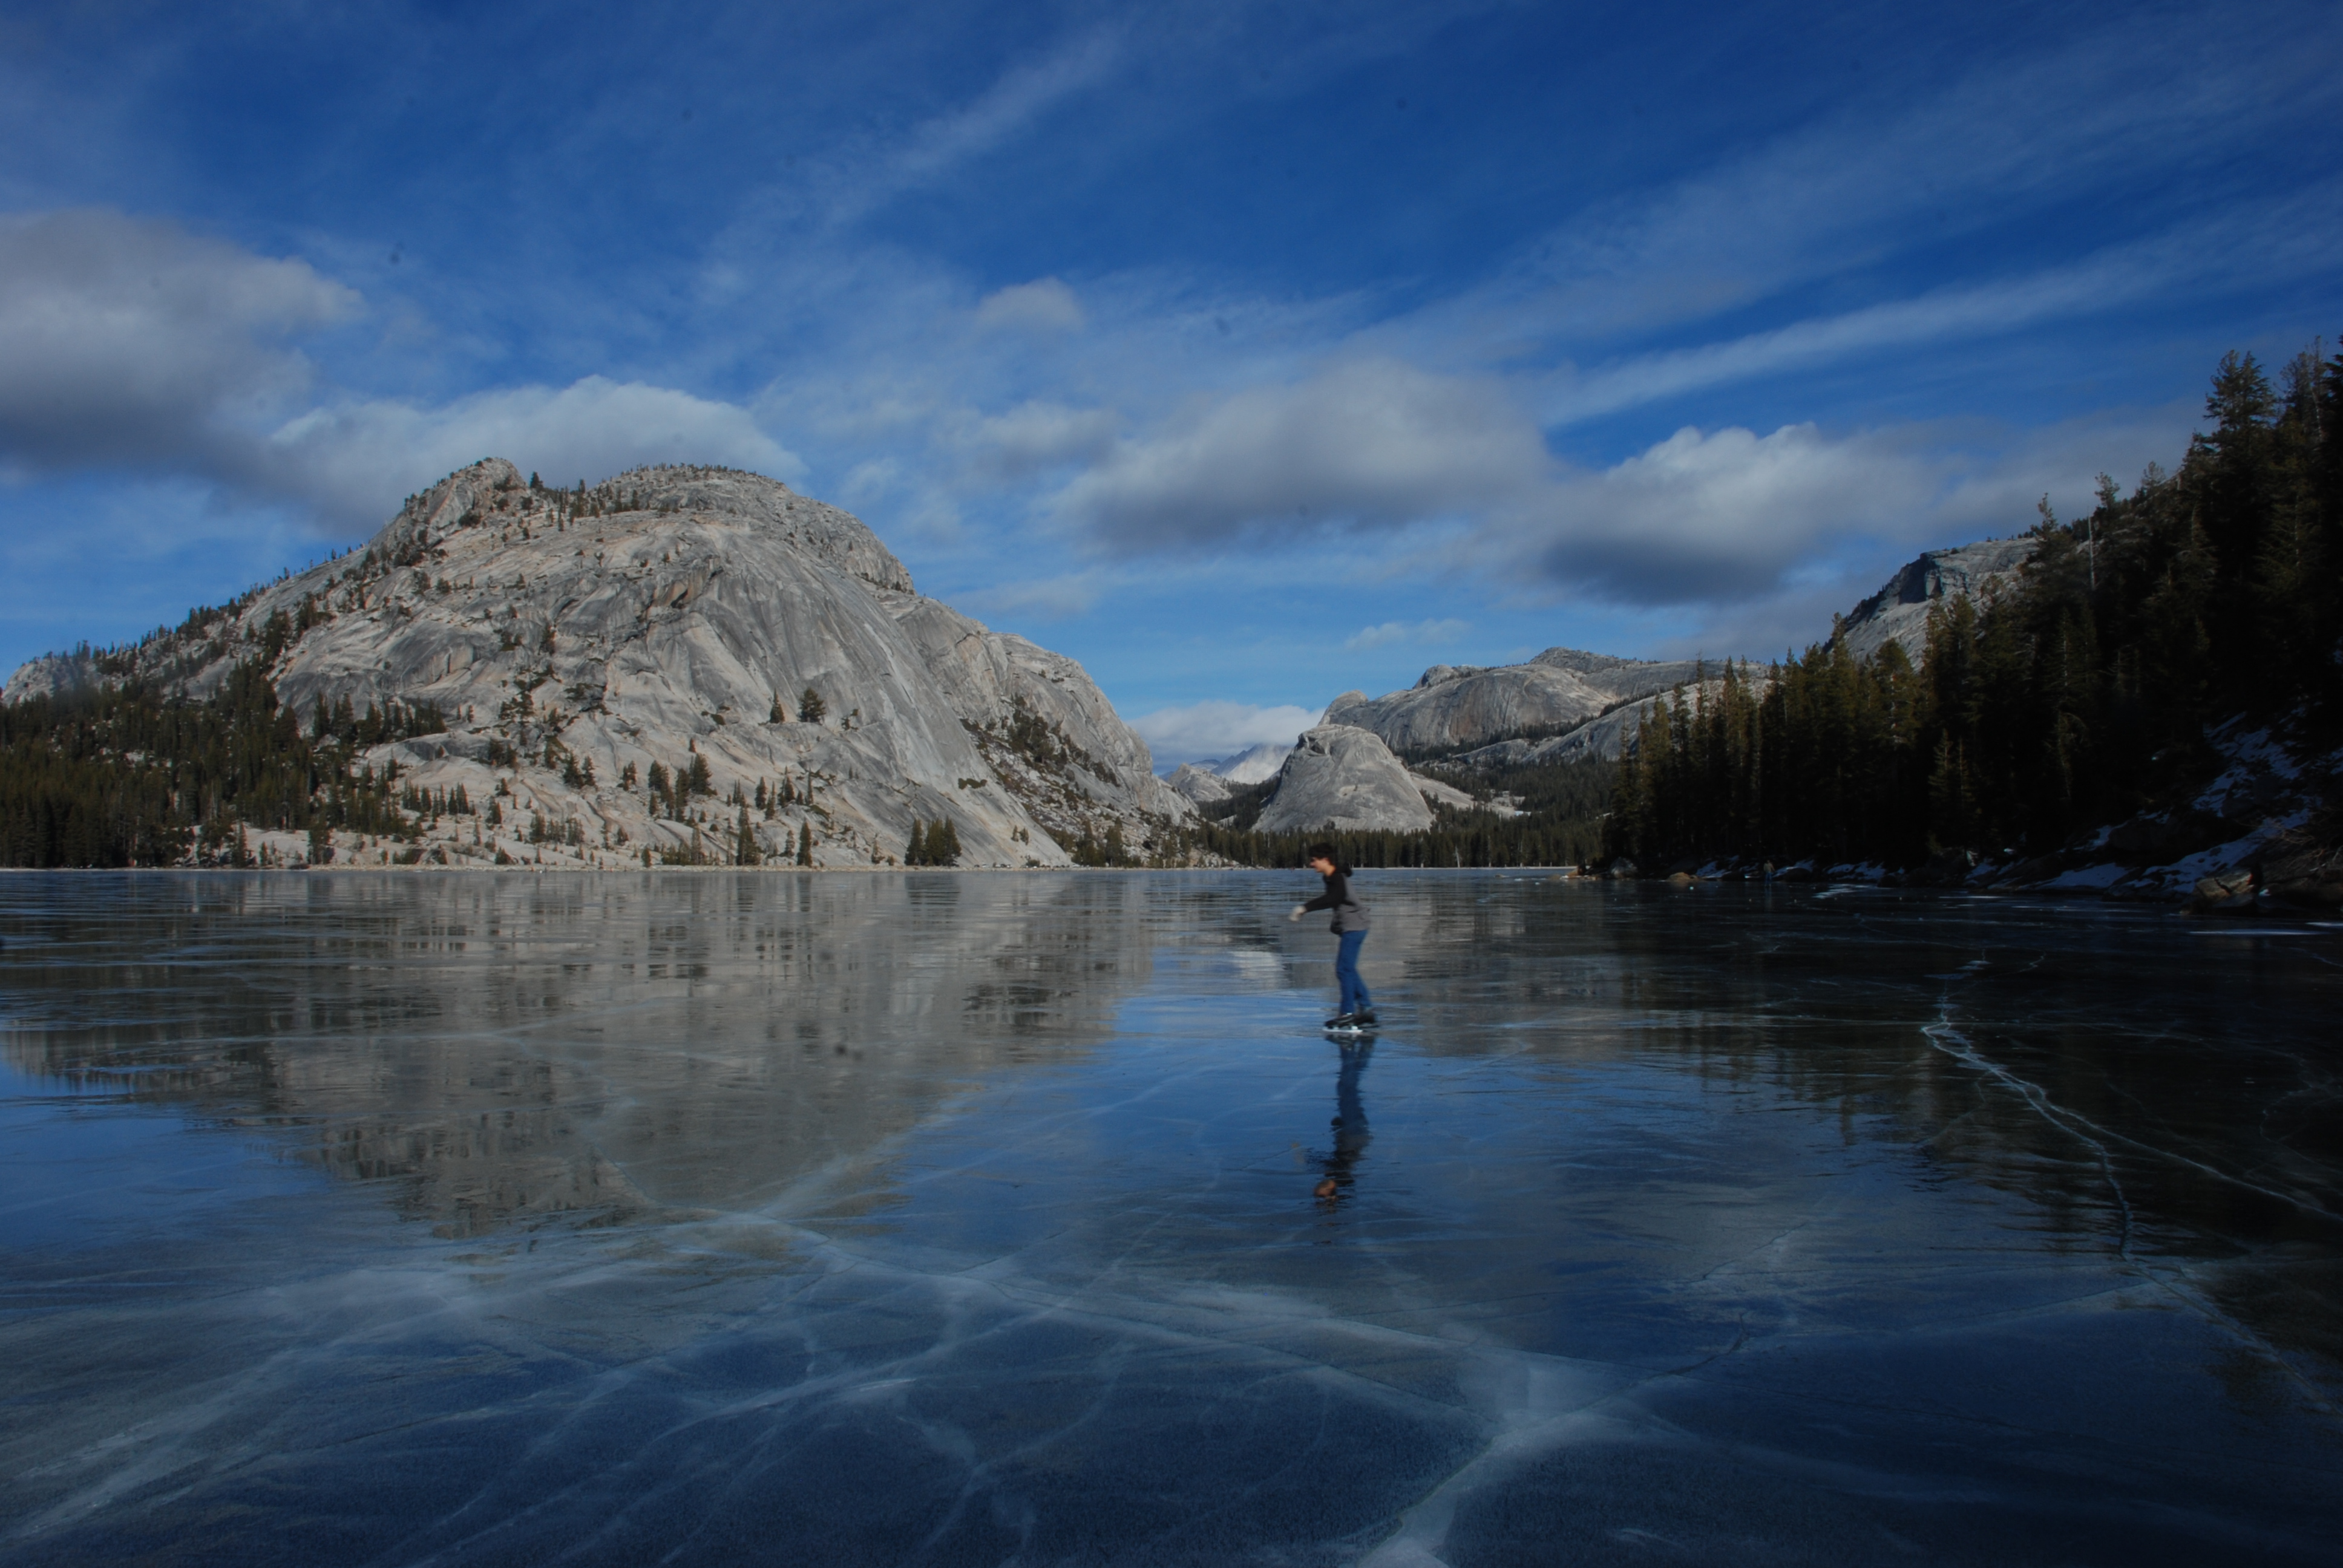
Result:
[[1298, 911]]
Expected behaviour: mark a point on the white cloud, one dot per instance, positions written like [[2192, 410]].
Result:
[[1706, 517], [355, 460], [1703, 516], [1197, 729], [1369, 441], [1768, 535], [1392, 632], [1715, 517], [128, 341], [1035, 436], [1046, 304]]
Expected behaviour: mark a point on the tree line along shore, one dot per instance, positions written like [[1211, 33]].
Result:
[[2209, 601]]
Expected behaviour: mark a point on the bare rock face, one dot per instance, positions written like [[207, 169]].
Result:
[[573, 638], [1608, 735], [1567, 704], [50, 674], [1898, 612], [1453, 705], [1198, 785], [1343, 776], [1436, 794]]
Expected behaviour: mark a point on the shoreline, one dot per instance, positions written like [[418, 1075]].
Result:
[[2251, 902]]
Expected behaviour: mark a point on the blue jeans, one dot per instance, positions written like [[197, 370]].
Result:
[[1346, 974]]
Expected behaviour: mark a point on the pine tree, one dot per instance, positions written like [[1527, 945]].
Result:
[[745, 851], [805, 843], [810, 707]]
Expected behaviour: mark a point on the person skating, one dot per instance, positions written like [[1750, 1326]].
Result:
[[1355, 1010]]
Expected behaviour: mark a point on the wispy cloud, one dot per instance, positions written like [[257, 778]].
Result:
[[2263, 240], [1890, 177], [1045, 305], [1394, 633], [873, 175]]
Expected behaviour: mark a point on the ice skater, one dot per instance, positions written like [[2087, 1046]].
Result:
[[1355, 1010]]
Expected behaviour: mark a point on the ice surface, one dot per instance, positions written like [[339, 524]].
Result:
[[936, 1218]]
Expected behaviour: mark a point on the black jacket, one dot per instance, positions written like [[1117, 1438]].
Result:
[[1350, 915]]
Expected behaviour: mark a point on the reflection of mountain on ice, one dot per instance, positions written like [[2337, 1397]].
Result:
[[1250, 767]]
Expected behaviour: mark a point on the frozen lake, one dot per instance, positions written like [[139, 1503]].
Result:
[[962, 1217]]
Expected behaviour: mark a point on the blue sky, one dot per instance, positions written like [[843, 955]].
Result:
[[1247, 353]]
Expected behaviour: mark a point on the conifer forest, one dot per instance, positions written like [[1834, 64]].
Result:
[[2083, 697]]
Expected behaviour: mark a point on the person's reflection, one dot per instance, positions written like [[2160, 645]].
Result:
[[1351, 1134]]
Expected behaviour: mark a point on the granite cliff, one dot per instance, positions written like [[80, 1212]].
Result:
[[1343, 778], [1898, 612], [1200, 785], [1565, 705], [1455, 707], [1334, 777], [710, 622]]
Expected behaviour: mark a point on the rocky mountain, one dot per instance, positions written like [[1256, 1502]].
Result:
[[710, 624], [1605, 735], [1336, 776], [1457, 706], [1565, 704], [1199, 784], [1345, 778]]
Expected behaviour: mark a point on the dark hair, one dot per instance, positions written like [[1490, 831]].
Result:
[[1320, 852]]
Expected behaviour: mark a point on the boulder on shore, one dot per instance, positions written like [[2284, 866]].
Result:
[[2225, 892]]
